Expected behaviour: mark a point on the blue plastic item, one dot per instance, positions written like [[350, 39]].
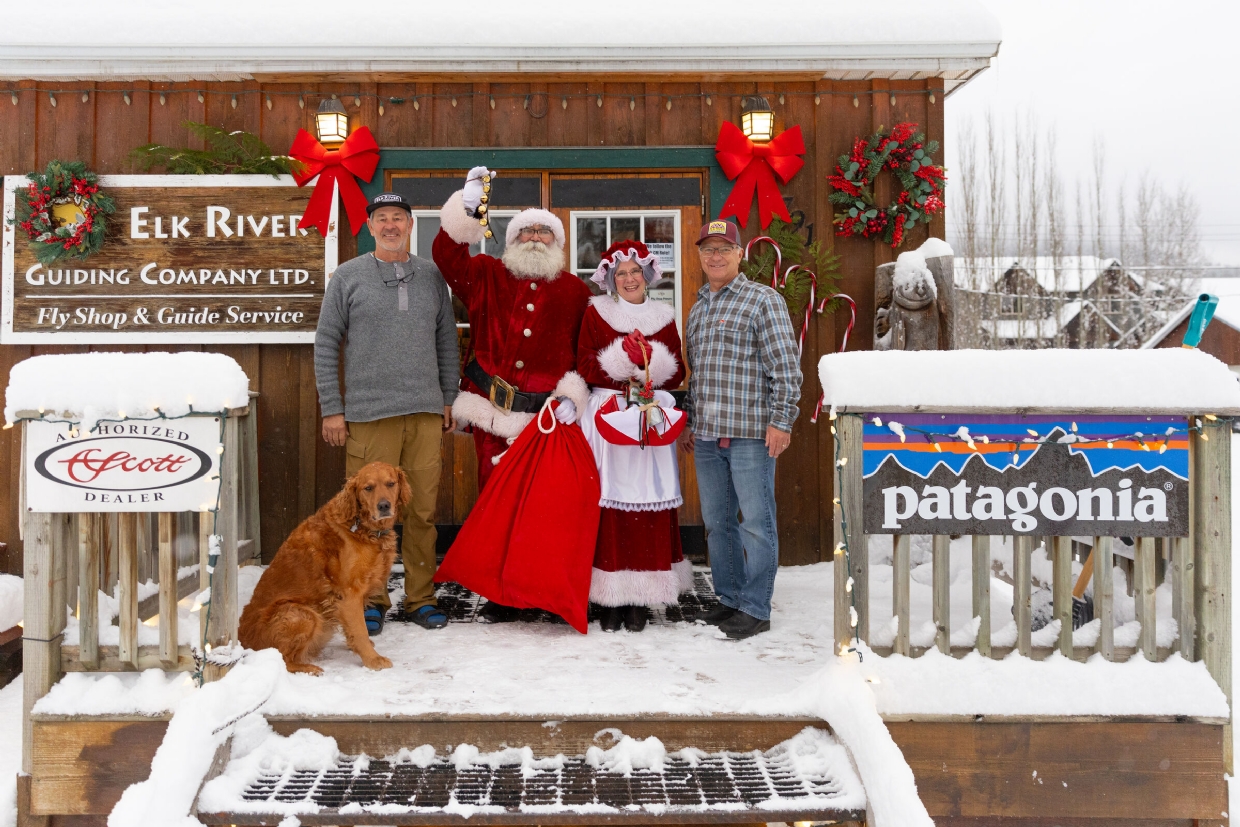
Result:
[[1203, 312]]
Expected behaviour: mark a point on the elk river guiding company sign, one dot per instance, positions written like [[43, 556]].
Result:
[[1124, 476], [128, 465], [187, 258]]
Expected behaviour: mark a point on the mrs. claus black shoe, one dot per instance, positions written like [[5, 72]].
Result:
[[611, 618], [635, 618]]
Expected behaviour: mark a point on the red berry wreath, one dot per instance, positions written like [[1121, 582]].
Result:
[[63, 212]]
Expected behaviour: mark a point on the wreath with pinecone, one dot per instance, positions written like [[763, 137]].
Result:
[[906, 153], [63, 212]]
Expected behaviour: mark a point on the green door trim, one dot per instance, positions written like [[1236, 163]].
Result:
[[630, 158]]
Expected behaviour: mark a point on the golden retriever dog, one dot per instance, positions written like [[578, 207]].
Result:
[[326, 572]]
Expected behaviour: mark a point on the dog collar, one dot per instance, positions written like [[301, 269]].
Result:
[[374, 534]]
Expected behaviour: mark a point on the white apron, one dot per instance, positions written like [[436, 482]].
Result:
[[633, 478]]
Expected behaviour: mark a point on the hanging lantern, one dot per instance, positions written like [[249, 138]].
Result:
[[331, 122], [757, 119]]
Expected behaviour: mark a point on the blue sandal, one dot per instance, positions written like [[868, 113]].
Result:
[[429, 617], [374, 620]]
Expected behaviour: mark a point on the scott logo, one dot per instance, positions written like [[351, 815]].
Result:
[[122, 463]]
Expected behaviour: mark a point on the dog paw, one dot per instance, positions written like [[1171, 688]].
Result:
[[378, 662], [306, 669]]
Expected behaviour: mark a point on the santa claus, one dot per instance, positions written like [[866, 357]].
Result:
[[525, 314], [629, 352]]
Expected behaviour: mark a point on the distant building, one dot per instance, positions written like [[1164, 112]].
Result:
[[1070, 301], [1221, 339]]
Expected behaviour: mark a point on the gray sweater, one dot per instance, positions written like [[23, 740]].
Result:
[[396, 361]]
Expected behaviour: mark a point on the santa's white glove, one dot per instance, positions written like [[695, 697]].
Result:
[[566, 411], [472, 194]]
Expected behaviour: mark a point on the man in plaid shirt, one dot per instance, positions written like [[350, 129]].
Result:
[[742, 401]]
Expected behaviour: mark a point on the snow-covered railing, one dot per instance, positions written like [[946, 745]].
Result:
[[1044, 447], [130, 461]]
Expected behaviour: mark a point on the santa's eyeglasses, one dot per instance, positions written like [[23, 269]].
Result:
[[537, 232]]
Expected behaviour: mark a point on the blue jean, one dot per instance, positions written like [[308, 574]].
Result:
[[743, 555]]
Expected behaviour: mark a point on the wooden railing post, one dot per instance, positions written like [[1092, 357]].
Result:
[[981, 592], [1104, 595], [167, 590], [222, 628], [1022, 607], [900, 592], [1210, 472], [43, 616], [1182, 579], [849, 523], [1061, 574], [942, 579], [127, 539], [1144, 594], [89, 546]]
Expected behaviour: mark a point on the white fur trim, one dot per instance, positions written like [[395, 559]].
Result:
[[663, 364], [574, 387], [460, 226], [472, 409], [616, 363], [640, 588], [526, 218], [649, 317]]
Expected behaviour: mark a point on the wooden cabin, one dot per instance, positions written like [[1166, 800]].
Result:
[[614, 130]]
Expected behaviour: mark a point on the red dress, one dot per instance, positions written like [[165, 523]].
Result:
[[638, 561], [523, 329]]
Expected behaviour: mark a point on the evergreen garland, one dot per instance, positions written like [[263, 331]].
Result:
[[63, 182], [793, 249], [226, 153]]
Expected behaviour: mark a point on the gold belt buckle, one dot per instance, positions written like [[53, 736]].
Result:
[[505, 392]]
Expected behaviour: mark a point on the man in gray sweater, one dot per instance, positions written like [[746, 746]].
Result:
[[393, 312]]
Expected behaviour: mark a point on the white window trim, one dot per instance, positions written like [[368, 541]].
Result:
[[675, 215]]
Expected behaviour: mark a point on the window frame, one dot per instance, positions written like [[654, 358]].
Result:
[[674, 213]]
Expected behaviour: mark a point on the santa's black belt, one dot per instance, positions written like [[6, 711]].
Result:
[[503, 395]]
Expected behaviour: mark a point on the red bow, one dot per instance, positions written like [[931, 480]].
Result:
[[358, 155], [755, 163]]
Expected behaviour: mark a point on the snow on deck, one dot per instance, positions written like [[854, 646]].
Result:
[[1164, 379], [692, 669]]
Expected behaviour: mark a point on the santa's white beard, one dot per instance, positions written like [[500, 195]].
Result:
[[533, 259]]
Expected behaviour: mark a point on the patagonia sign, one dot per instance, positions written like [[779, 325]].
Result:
[[130, 465], [1040, 475]]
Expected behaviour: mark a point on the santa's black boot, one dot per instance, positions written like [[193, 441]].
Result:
[[635, 618], [611, 619]]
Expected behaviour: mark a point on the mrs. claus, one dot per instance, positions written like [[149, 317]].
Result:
[[629, 353]]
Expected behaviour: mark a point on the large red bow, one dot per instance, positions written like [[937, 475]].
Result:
[[358, 155], [754, 164]]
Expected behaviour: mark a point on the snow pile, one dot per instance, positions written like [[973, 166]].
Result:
[[12, 595], [202, 723], [1165, 379], [628, 755], [151, 692], [88, 387], [10, 750], [109, 608]]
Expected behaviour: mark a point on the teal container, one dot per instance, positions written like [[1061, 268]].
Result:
[[1203, 312]]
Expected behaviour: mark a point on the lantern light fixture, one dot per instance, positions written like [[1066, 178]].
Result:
[[331, 122], [757, 119]]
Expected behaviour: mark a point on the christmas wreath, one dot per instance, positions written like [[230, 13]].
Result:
[[906, 153], [63, 212]]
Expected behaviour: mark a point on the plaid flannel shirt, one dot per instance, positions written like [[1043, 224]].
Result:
[[742, 352]]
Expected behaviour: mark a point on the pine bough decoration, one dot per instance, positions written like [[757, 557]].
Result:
[[63, 212], [906, 153]]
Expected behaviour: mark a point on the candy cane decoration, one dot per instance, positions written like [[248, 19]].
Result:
[[852, 320], [779, 259]]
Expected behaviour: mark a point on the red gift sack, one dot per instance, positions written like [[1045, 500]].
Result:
[[529, 541]]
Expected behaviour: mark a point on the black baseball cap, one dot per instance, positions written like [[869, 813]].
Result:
[[388, 199]]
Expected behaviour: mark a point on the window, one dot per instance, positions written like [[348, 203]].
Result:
[[593, 232], [426, 227], [1010, 305]]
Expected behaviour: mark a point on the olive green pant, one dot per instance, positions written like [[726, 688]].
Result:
[[411, 442]]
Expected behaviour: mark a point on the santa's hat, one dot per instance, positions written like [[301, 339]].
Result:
[[605, 275], [531, 217]]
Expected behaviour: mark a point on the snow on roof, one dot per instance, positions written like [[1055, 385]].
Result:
[[238, 39], [1071, 274], [1032, 329], [1052, 380], [87, 387]]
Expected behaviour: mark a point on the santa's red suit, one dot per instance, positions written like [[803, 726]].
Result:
[[523, 326], [638, 560]]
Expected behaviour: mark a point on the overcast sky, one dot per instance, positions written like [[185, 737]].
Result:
[[1157, 80]]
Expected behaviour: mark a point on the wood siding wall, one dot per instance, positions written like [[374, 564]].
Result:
[[298, 471]]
